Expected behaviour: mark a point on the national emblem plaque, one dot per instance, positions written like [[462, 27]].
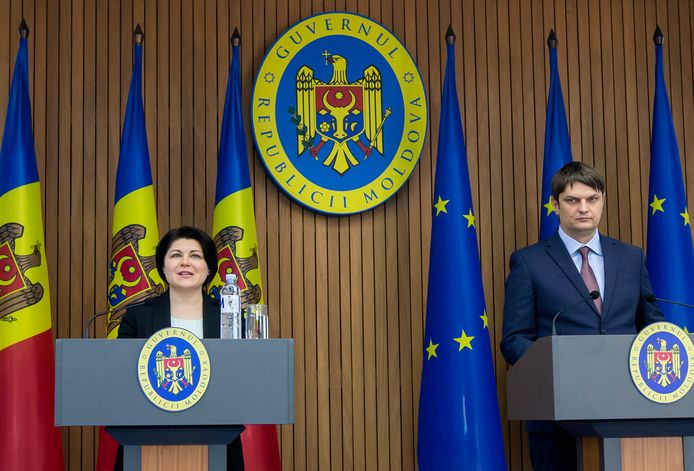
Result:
[[339, 113]]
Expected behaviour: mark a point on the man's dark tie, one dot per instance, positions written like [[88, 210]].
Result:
[[589, 277]]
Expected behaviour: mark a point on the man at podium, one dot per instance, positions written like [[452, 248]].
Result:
[[576, 282]]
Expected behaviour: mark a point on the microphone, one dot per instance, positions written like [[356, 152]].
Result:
[[650, 297], [595, 294], [103, 313]]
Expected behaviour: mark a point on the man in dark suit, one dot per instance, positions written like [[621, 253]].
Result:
[[557, 273]]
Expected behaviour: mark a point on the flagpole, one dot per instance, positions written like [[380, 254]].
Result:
[[138, 35], [552, 40], [23, 30]]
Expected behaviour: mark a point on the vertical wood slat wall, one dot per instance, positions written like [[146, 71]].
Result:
[[351, 291]]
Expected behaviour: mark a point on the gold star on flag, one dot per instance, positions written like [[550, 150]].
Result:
[[685, 216], [484, 319], [441, 206], [470, 218], [464, 341], [549, 206], [657, 204], [431, 349]]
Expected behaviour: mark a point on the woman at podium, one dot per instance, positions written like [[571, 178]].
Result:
[[186, 260]]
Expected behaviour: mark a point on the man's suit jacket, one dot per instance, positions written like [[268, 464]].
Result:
[[543, 280], [142, 321]]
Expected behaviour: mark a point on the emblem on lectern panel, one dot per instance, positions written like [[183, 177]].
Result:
[[660, 362], [174, 369]]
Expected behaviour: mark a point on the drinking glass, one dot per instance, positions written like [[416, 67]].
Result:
[[257, 325]]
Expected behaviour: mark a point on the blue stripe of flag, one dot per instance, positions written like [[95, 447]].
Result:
[[17, 155]]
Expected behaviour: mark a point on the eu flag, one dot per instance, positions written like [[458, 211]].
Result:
[[459, 424], [236, 240], [670, 255], [557, 143]]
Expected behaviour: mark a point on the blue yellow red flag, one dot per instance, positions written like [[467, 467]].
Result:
[[459, 422], [669, 250], [29, 440], [233, 227], [235, 236], [132, 274], [557, 142]]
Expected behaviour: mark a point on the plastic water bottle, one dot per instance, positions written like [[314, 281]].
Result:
[[230, 301]]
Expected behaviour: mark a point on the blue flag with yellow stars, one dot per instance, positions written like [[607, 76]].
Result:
[[557, 143], [670, 255], [459, 424]]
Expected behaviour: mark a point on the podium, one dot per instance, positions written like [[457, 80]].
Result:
[[583, 383], [251, 382]]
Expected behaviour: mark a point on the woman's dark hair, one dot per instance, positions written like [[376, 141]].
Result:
[[209, 250]]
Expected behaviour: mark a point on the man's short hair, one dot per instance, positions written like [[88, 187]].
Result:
[[576, 172]]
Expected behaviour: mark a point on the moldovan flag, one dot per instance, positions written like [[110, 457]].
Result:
[[133, 275], [235, 237], [28, 438]]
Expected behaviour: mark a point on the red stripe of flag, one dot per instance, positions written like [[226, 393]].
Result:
[[27, 403], [261, 451]]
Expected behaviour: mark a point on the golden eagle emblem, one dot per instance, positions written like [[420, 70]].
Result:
[[347, 114], [174, 372], [16, 290], [663, 365], [129, 280], [230, 262]]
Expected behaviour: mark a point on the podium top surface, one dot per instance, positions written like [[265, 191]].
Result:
[[583, 377], [251, 382]]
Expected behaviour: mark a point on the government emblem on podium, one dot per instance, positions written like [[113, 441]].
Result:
[[174, 369], [660, 360], [339, 113]]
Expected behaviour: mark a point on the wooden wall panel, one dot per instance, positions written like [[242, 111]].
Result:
[[351, 291]]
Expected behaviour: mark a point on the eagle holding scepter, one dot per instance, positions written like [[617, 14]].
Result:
[[339, 112]]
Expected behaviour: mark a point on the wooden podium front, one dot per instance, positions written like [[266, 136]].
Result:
[[251, 382]]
